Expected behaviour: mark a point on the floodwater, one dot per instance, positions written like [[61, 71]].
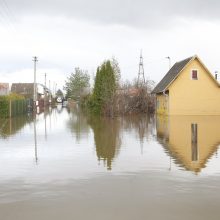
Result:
[[65, 165]]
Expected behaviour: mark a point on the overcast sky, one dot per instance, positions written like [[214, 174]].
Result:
[[65, 34]]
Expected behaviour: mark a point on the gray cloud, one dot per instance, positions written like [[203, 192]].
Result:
[[135, 13]]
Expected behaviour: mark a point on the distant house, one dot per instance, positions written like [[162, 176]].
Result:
[[24, 89], [27, 90], [4, 89], [188, 88]]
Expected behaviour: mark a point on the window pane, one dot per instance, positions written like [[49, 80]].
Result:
[[194, 74]]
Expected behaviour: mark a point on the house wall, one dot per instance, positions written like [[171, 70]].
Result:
[[162, 104], [194, 97]]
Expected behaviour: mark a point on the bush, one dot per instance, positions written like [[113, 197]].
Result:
[[4, 106], [5, 103]]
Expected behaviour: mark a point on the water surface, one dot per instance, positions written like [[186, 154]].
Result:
[[64, 164]]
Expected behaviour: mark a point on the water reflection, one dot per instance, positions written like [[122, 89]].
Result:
[[35, 141], [9, 127], [107, 138], [77, 123], [67, 145], [142, 124], [194, 141], [190, 140], [108, 133]]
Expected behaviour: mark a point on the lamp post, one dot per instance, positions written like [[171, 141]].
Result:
[[45, 90], [169, 61], [50, 93]]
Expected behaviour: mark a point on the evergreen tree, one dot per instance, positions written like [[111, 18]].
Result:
[[104, 88], [59, 93]]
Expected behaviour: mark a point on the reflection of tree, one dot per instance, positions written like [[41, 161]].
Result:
[[107, 135], [107, 138], [78, 123], [11, 126], [140, 123]]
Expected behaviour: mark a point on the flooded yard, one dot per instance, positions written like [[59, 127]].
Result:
[[67, 165]]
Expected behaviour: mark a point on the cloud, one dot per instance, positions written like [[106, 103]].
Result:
[[27, 76], [139, 13], [67, 34]]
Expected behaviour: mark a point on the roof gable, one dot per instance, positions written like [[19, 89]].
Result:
[[171, 75]]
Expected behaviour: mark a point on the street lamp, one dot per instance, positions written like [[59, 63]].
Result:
[[169, 61]]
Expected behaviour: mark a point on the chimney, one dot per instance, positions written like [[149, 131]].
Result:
[[216, 76]]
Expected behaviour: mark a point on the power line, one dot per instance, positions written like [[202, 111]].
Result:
[[7, 15]]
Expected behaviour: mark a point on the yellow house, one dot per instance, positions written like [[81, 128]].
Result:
[[188, 88], [190, 140]]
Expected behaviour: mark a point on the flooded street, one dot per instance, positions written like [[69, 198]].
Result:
[[66, 165]]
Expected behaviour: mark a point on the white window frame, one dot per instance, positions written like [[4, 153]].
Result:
[[191, 72]]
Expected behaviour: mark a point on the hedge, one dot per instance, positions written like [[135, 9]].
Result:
[[18, 105]]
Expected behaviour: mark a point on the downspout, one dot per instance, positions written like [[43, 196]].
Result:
[[168, 122], [167, 98]]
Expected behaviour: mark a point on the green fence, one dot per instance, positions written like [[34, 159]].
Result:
[[12, 108]]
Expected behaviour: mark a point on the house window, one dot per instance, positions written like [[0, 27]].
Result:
[[194, 74]]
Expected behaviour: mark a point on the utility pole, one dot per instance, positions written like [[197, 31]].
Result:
[[45, 89], [35, 88], [55, 89], [50, 93], [45, 79], [141, 71]]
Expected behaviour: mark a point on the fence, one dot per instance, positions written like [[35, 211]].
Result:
[[12, 108]]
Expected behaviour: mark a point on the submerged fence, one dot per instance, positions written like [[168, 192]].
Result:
[[12, 108]]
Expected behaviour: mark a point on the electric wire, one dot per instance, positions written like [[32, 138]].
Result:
[[7, 16]]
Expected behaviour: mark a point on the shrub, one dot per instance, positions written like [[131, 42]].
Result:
[[5, 103]]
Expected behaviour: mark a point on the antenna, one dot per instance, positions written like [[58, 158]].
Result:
[[141, 77]]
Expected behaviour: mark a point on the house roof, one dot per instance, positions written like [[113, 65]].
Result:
[[171, 75], [4, 85], [21, 87]]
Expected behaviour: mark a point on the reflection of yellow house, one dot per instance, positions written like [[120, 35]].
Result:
[[188, 89], [191, 140]]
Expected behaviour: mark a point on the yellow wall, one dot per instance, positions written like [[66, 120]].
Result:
[[162, 104], [194, 97], [177, 133]]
